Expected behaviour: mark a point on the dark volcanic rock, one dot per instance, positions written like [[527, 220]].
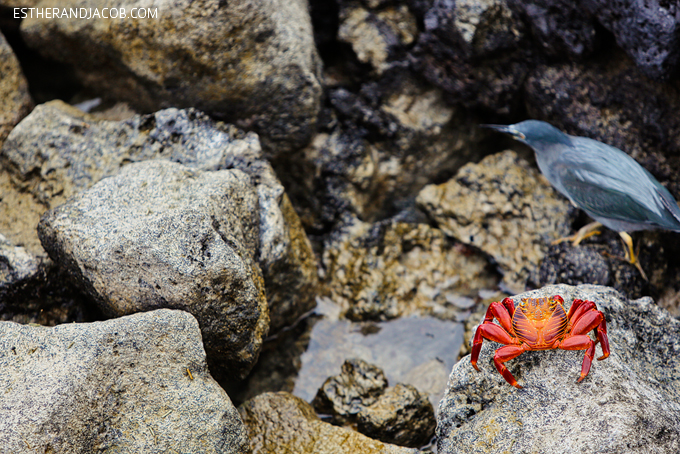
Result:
[[400, 415], [378, 148], [343, 396], [560, 27], [634, 393], [477, 52], [648, 30]]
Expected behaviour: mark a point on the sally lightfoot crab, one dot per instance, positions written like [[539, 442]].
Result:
[[541, 324]]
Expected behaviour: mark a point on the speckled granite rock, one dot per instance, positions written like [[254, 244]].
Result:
[[392, 269], [14, 97], [57, 151], [161, 235], [629, 402], [281, 422], [398, 414], [503, 207], [249, 61], [133, 384]]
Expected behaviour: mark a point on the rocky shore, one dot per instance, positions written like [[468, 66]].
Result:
[[273, 226]]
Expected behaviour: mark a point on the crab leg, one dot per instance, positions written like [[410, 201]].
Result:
[[581, 342], [583, 321], [503, 313], [504, 354], [490, 331]]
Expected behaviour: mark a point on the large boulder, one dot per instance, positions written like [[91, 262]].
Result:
[[58, 151], [134, 384], [629, 402], [251, 61], [161, 235], [14, 97], [281, 422]]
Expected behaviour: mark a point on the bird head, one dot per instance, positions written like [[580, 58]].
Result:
[[536, 134]]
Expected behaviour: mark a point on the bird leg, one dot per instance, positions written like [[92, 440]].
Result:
[[631, 257], [584, 232]]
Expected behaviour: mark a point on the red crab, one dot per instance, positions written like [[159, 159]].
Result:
[[541, 324]]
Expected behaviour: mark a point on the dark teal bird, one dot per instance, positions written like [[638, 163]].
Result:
[[606, 183]]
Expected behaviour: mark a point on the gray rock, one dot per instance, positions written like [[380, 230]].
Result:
[[17, 267], [14, 97], [399, 415], [133, 384], [249, 61], [503, 207], [159, 234], [629, 402], [281, 422], [58, 151]]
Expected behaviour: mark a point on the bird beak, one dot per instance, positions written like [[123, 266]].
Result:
[[507, 129]]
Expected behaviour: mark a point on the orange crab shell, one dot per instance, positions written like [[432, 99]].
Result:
[[541, 324]]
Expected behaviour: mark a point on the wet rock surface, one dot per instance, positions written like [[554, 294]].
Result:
[[393, 269], [138, 383], [280, 422], [398, 414], [252, 61], [344, 396], [176, 238], [503, 207], [412, 350], [14, 96], [600, 262], [634, 393]]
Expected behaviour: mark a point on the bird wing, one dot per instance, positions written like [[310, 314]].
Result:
[[614, 186], [588, 190]]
